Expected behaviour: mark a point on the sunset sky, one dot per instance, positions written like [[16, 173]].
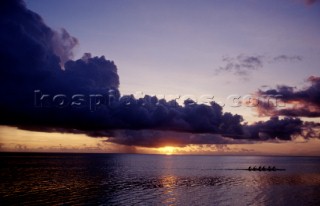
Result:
[[225, 51]]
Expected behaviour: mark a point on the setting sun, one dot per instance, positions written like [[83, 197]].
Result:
[[168, 150]]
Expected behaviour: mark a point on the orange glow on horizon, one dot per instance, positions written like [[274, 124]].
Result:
[[16, 140], [168, 150]]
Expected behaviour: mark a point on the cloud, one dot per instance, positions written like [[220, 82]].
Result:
[[311, 130], [37, 94], [63, 45], [284, 57], [299, 103], [243, 65], [310, 2], [159, 138], [30, 63], [275, 128]]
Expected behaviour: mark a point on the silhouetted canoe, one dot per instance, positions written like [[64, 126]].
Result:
[[267, 169]]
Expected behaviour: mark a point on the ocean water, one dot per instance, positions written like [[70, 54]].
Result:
[[130, 179]]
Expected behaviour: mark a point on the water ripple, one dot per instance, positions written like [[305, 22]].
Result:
[[151, 180]]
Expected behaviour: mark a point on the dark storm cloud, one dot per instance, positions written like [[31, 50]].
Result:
[[31, 54], [299, 102], [30, 63], [37, 94], [282, 129], [159, 138]]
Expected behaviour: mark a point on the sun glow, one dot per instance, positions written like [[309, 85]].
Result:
[[168, 150]]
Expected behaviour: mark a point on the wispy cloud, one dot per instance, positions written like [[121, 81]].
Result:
[[243, 65], [284, 57]]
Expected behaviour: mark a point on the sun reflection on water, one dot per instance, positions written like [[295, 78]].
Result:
[[169, 183]]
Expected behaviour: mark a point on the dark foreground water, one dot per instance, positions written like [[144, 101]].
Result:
[[126, 179]]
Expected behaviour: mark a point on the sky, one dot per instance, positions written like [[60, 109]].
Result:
[[230, 52], [175, 47]]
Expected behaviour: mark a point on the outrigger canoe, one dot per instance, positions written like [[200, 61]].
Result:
[[264, 168]]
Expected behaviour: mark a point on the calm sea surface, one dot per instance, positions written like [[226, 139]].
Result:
[[127, 179]]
